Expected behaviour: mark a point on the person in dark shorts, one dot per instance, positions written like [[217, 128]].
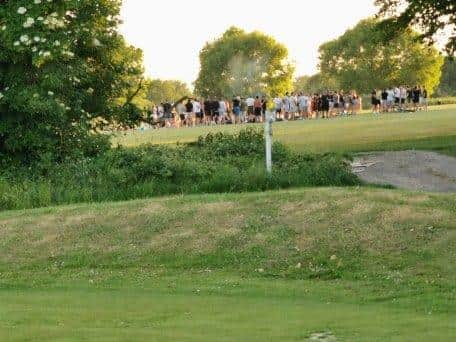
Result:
[[189, 114], [264, 107], [384, 101], [215, 104], [416, 97], [409, 97], [325, 105], [257, 109], [424, 96], [207, 112], [375, 102]]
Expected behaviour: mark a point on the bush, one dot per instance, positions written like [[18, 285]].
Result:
[[215, 163]]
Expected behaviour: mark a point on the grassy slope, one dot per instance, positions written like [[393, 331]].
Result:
[[374, 265], [435, 130]]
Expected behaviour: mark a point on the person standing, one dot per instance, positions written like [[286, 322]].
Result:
[[167, 114], [222, 112], [384, 100], [215, 111], [403, 97], [278, 103], [390, 99], [375, 102], [416, 94], [264, 108], [425, 98], [243, 110], [198, 110], [250, 101], [237, 110], [287, 106], [258, 106], [189, 114]]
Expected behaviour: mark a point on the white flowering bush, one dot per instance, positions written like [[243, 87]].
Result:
[[63, 66]]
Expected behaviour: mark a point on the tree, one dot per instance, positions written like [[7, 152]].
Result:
[[159, 91], [360, 60], [241, 63], [430, 16], [447, 86], [63, 68], [315, 83]]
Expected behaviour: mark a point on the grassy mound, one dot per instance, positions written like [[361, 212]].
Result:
[[320, 233], [357, 264], [215, 163]]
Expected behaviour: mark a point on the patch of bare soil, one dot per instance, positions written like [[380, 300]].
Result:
[[412, 170]]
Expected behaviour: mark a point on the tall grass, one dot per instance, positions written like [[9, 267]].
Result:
[[215, 163]]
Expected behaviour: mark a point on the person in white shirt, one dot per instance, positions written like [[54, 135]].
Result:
[[303, 102], [287, 106], [390, 99], [198, 110], [278, 104], [222, 112], [397, 97], [250, 102]]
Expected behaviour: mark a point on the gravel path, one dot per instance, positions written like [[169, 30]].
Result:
[[413, 170]]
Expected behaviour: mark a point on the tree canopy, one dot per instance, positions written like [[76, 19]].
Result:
[[361, 60], [63, 68], [315, 83], [447, 86], [159, 91], [429, 16], [241, 63]]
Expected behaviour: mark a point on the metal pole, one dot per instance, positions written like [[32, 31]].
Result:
[[268, 138]]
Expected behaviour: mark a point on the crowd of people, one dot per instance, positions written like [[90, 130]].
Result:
[[401, 98], [190, 112]]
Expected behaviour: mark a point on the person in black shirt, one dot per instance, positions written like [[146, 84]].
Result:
[[207, 111], [167, 113], [189, 117], [215, 105], [409, 97], [416, 93], [325, 105], [375, 102], [384, 101], [424, 95], [264, 107]]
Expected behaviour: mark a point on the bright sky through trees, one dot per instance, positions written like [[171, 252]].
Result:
[[172, 32]]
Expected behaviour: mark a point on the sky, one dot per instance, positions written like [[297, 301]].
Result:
[[172, 32]]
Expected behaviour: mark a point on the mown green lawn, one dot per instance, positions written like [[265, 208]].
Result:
[[364, 264], [433, 130], [217, 307]]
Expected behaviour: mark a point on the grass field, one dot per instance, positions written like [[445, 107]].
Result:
[[364, 264], [355, 264], [433, 130]]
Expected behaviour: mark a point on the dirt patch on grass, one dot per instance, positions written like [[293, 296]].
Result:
[[412, 170]]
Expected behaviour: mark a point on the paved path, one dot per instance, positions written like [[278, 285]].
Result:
[[413, 170]]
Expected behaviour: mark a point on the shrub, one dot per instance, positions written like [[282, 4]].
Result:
[[215, 163]]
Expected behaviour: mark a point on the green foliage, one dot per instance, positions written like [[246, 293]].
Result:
[[360, 60], [216, 163], [241, 63], [447, 86], [431, 16], [63, 69], [315, 84], [159, 91]]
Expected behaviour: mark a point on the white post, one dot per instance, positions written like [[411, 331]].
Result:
[[268, 138]]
